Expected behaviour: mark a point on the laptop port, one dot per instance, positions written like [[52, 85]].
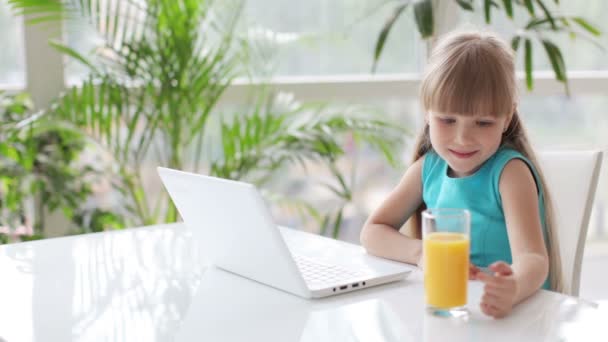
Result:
[[355, 285], [363, 283], [343, 287], [334, 289]]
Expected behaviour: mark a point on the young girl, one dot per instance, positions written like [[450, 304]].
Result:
[[473, 153]]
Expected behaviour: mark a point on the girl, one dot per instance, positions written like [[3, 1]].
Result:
[[473, 153]]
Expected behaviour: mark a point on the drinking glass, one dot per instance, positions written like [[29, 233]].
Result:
[[446, 236]]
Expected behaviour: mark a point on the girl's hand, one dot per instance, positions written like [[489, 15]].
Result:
[[499, 290], [473, 270], [420, 261]]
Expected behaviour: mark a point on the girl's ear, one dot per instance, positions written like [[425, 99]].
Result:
[[509, 118]]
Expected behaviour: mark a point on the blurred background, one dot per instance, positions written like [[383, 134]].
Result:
[[313, 60]]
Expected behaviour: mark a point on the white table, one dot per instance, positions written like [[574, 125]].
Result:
[[149, 284]]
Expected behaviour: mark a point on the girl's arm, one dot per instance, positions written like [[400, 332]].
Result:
[[380, 234], [511, 284]]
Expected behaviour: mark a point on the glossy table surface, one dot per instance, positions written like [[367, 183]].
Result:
[[151, 284]]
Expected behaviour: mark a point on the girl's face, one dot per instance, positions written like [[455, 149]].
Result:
[[465, 142]]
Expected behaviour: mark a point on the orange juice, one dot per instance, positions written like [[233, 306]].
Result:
[[446, 269]]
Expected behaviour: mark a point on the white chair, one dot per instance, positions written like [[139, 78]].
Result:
[[571, 177]]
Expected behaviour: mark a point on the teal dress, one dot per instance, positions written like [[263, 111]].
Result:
[[480, 194]]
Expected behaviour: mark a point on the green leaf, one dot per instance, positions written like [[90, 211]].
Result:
[[587, 26], [528, 63], [338, 223], [557, 62], [73, 53], [530, 6], [487, 8], [324, 223], [466, 5], [33, 237], [515, 42], [536, 23], [40, 11], [508, 5], [338, 192], [423, 12], [547, 14], [388, 25], [555, 58], [9, 152]]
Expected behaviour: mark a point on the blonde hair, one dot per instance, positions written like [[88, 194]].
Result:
[[473, 73]]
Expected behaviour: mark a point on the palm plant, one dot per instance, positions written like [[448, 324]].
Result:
[[541, 20], [38, 165], [152, 94]]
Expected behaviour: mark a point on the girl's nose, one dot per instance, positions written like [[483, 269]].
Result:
[[463, 135]]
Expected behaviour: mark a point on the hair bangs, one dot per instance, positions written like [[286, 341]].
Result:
[[470, 82]]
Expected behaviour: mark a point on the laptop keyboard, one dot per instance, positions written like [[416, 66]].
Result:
[[318, 274]]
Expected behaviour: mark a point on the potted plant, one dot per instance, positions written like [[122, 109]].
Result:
[[39, 173], [152, 94]]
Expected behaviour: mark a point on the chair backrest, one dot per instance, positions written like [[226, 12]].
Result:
[[571, 178]]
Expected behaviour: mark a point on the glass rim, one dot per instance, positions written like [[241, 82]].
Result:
[[445, 212]]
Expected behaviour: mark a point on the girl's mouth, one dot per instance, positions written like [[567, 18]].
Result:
[[463, 155]]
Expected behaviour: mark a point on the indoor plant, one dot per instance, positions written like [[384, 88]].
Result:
[[39, 171], [151, 99], [540, 20]]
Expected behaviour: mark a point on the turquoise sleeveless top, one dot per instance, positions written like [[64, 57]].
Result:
[[480, 194]]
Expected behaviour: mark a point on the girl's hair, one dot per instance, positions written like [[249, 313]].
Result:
[[472, 73]]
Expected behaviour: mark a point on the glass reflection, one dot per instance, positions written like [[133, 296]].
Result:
[[371, 320], [439, 329], [132, 285]]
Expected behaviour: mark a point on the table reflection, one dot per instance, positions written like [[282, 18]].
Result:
[[370, 320]]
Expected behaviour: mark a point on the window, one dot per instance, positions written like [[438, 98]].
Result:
[[323, 37], [12, 58], [318, 37], [82, 37]]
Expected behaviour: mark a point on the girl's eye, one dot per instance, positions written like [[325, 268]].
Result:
[[447, 120], [485, 123]]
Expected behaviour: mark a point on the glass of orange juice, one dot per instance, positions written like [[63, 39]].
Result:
[[445, 248]]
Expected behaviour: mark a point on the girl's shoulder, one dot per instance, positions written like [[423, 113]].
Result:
[[508, 153], [504, 155]]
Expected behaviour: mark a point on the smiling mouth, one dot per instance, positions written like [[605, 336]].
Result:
[[463, 155]]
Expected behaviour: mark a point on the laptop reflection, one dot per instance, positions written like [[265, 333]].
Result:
[[228, 307]]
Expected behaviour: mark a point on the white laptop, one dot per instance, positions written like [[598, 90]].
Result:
[[236, 232]]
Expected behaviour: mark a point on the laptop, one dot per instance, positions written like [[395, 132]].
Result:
[[235, 231]]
